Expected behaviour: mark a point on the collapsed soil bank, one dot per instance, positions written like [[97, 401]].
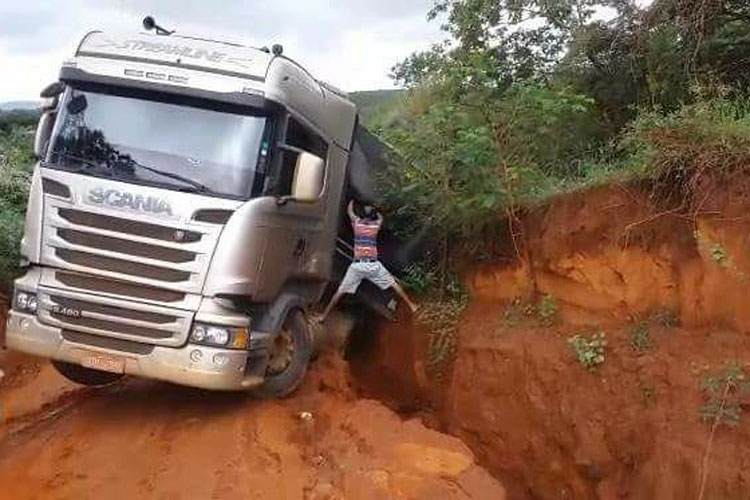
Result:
[[538, 420]]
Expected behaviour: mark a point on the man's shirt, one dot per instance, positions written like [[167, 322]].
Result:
[[366, 238]]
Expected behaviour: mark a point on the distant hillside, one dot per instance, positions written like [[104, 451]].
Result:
[[19, 105], [22, 117], [379, 107]]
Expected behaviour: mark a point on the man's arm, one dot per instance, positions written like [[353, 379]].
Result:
[[350, 211]]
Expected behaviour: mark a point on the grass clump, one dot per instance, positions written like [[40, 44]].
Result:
[[589, 349], [545, 311], [666, 318], [640, 337]]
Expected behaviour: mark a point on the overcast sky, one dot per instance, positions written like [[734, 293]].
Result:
[[349, 43]]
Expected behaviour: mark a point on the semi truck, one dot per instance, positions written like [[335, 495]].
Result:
[[185, 213]]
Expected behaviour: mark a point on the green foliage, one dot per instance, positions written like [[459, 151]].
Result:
[[589, 349], [425, 277], [441, 316], [463, 164], [18, 118], [725, 392], [547, 310], [16, 157], [521, 310], [640, 337], [528, 98], [379, 108]]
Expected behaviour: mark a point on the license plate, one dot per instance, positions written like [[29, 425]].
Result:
[[104, 363]]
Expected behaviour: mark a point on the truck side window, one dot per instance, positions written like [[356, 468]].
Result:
[[301, 137]]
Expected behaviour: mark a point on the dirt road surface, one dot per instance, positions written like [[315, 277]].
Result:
[[142, 439]]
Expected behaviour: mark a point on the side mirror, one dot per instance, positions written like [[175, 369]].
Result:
[[308, 177], [43, 133], [51, 95]]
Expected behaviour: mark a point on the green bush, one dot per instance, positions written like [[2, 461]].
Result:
[[16, 159], [589, 349]]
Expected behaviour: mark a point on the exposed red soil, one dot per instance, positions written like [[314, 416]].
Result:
[[547, 427], [551, 429], [142, 439]]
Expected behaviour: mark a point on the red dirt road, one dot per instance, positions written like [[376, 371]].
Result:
[[143, 439]]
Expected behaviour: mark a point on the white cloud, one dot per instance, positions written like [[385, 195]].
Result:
[[350, 43]]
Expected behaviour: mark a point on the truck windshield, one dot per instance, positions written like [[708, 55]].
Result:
[[146, 141]]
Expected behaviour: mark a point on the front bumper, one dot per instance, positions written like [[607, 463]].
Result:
[[25, 333]]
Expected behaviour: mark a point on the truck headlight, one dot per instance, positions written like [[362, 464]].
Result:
[[26, 302], [221, 336]]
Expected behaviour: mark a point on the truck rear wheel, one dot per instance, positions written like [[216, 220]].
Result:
[[288, 360], [85, 376]]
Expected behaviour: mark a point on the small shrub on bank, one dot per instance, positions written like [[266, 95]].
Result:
[[640, 337], [725, 392], [521, 310], [589, 349], [442, 306], [547, 310]]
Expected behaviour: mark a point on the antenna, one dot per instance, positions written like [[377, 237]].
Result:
[[149, 23]]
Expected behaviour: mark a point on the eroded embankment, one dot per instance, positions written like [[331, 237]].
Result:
[[546, 426]]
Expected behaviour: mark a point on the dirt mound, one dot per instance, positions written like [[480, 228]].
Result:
[[143, 439]]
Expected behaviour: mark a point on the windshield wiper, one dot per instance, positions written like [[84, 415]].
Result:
[[106, 155], [125, 160], [196, 186]]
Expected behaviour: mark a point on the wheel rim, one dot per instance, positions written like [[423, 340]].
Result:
[[282, 352]]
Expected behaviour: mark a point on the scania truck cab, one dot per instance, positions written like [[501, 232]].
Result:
[[183, 214]]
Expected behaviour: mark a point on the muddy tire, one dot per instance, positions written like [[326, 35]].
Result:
[[85, 376], [290, 355]]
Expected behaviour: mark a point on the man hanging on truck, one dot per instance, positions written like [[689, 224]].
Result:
[[366, 265]]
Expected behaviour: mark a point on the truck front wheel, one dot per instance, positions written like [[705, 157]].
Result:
[[288, 359], [85, 376]]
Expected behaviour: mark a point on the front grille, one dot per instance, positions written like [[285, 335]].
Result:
[[161, 253], [115, 287], [126, 226], [110, 264], [107, 342], [112, 326], [120, 312], [111, 244], [100, 316]]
